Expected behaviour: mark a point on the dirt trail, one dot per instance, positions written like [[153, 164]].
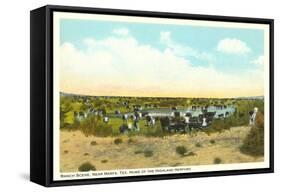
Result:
[[76, 149]]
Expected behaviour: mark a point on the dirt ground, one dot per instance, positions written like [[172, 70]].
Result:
[[104, 154]]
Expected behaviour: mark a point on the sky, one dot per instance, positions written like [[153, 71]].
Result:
[[116, 58]]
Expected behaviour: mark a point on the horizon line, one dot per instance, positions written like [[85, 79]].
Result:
[[239, 97]]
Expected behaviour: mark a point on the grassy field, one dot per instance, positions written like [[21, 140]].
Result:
[[91, 144]]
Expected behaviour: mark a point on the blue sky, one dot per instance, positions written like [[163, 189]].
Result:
[[201, 38], [225, 50]]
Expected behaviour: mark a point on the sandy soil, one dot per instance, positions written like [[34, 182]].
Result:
[[76, 149]]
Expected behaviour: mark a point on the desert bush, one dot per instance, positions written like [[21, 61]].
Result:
[[95, 126], [260, 120], [191, 153], [138, 152], [198, 145], [94, 143], [131, 140], [218, 125], [155, 131], [253, 144], [86, 154], [104, 161], [65, 107], [181, 150], [148, 153], [217, 160], [212, 141], [118, 141], [86, 167]]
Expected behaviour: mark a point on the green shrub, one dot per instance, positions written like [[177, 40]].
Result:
[[138, 152], [198, 145], [155, 131], [131, 140], [191, 153], [218, 125], [86, 154], [253, 144], [217, 160], [212, 141], [94, 143], [95, 126], [118, 141], [148, 153], [86, 167], [181, 150], [104, 161]]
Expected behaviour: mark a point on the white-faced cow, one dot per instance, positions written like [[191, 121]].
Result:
[[105, 119], [252, 116], [204, 123], [125, 118], [150, 121]]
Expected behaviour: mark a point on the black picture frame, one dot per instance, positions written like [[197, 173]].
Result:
[[41, 92]]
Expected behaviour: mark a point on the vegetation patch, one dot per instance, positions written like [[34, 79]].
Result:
[[104, 161], [181, 150], [217, 160], [253, 144], [87, 167], [191, 153], [118, 141], [95, 126], [138, 152], [93, 143], [198, 145], [148, 153], [131, 140]]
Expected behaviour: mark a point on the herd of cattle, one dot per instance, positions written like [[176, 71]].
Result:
[[197, 117]]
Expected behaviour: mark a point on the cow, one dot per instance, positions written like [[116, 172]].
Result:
[[221, 115], [195, 123], [165, 123], [136, 118], [117, 112], [252, 116], [174, 108], [144, 113], [209, 116], [105, 119], [150, 121], [79, 116], [177, 127], [193, 108], [226, 114], [124, 128], [125, 118], [177, 114], [204, 123], [188, 114]]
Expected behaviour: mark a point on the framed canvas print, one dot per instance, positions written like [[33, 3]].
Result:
[[123, 95]]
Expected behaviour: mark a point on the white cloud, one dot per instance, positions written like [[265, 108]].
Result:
[[233, 46], [123, 66], [259, 61], [183, 50], [121, 31]]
